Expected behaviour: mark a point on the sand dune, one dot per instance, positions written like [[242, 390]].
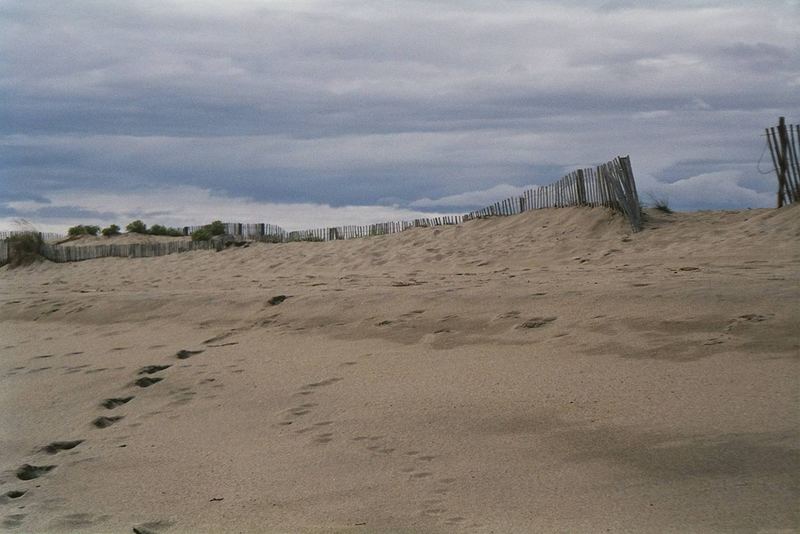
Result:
[[548, 372]]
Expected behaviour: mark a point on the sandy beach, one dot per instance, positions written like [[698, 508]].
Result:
[[547, 372]]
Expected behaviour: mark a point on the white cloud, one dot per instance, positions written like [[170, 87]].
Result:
[[723, 189], [478, 199], [186, 205]]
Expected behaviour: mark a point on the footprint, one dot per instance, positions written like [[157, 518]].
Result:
[[105, 422], [30, 472], [13, 520], [184, 353], [58, 446], [112, 403], [324, 438], [537, 322], [322, 383], [150, 369], [152, 527], [11, 495], [225, 344], [146, 381]]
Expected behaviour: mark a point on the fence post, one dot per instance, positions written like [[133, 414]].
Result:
[[581, 188]]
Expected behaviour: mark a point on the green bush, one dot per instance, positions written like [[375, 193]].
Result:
[[137, 227], [203, 234], [216, 228], [310, 238], [158, 229], [81, 229], [110, 231], [24, 248]]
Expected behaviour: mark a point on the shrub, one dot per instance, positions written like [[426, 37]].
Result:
[[23, 248], [110, 231], [216, 228], [158, 229], [81, 229], [203, 234], [137, 227]]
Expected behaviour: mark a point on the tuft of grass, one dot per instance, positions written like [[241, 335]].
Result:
[[661, 204], [24, 248]]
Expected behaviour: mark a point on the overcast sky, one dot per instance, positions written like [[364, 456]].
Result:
[[310, 113]]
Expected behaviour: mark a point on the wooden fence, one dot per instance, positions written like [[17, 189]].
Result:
[[611, 185], [784, 147], [46, 236], [61, 254]]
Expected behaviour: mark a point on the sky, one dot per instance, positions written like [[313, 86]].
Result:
[[309, 113]]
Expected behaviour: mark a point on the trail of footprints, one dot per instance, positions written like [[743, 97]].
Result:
[[414, 466], [147, 376]]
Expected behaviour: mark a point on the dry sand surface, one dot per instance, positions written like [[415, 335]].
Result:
[[549, 372]]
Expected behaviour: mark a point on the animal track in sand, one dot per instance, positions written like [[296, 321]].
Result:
[[150, 369], [15, 494], [112, 403], [105, 422], [30, 472], [58, 446], [146, 381]]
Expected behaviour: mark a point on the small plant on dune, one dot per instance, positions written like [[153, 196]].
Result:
[[110, 231], [24, 248], [661, 204], [81, 229], [137, 227]]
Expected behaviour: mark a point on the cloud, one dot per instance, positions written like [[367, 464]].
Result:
[[472, 199], [715, 190], [187, 205], [345, 103]]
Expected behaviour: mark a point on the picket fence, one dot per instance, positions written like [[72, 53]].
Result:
[[611, 185]]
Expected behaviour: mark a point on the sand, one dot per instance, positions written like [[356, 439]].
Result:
[[549, 372]]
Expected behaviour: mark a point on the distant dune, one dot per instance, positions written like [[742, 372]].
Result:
[[547, 372]]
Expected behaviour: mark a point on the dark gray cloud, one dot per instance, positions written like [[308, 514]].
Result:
[[387, 103]]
